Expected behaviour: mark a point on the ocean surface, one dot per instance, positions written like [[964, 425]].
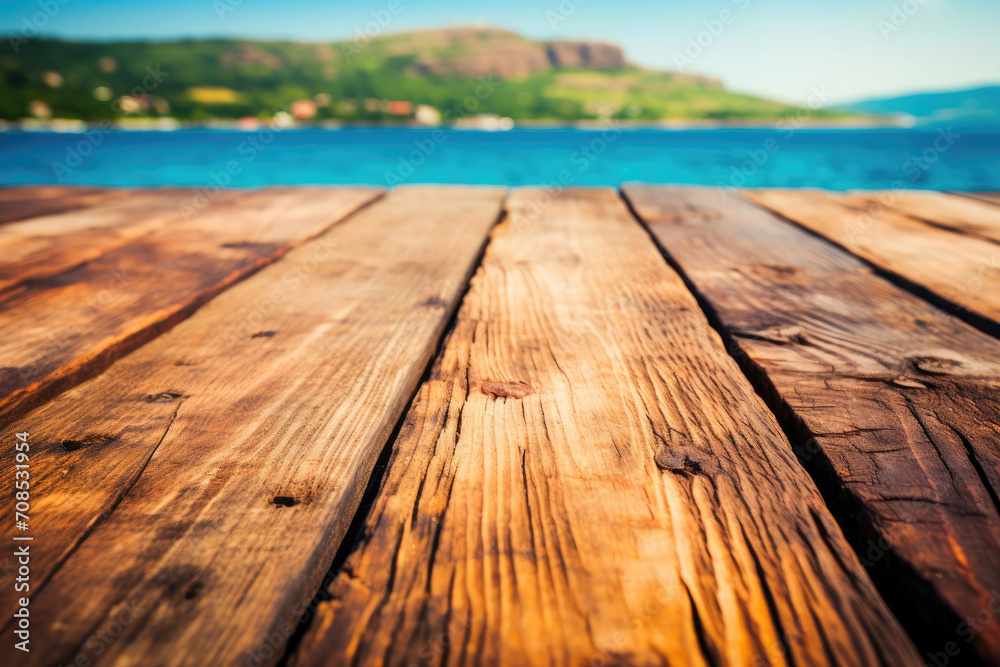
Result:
[[959, 158]]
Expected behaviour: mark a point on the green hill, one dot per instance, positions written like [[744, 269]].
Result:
[[457, 71]]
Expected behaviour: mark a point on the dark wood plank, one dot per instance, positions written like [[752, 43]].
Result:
[[962, 270], [953, 212], [204, 482], [56, 332], [587, 478], [29, 202], [897, 403]]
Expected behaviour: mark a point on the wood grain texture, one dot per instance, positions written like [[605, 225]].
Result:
[[961, 269], [899, 401], [56, 332], [952, 212], [48, 245], [194, 494], [28, 202], [587, 478]]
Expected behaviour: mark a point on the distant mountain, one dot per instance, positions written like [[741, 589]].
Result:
[[446, 74], [975, 105]]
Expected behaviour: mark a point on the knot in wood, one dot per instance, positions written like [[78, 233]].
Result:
[[164, 397], [684, 463], [73, 444], [502, 389], [936, 365]]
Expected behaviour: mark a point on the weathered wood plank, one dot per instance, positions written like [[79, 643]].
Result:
[[57, 332], [587, 478], [961, 269], [49, 245], [953, 212], [216, 469], [28, 202], [897, 402]]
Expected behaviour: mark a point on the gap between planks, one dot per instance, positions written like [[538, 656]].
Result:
[[957, 272], [950, 212], [372, 490]]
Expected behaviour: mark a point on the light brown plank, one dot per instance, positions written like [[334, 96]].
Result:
[[28, 202], [944, 210], [284, 389], [56, 332], [587, 478], [962, 270], [896, 402]]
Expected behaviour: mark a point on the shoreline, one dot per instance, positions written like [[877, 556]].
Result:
[[71, 126]]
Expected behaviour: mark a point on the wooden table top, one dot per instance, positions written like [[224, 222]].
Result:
[[449, 425]]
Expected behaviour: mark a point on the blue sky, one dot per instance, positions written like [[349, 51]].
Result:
[[785, 49]]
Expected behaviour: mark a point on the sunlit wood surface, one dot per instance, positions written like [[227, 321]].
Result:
[[448, 425]]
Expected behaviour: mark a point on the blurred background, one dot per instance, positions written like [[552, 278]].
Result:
[[242, 93]]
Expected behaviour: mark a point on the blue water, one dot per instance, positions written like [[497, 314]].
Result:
[[963, 159]]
